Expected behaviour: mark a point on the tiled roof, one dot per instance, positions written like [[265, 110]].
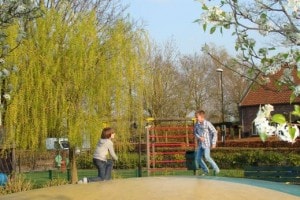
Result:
[[269, 93]]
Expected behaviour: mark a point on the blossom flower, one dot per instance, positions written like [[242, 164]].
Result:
[[283, 132], [264, 29], [216, 16], [261, 121], [272, 69], [267, 109], [264, 127], [297, 90]]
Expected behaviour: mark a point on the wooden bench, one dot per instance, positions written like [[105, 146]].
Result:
[[288, 174]]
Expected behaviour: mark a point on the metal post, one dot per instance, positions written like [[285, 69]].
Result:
[[68, 174], [223, 127], [50, 174], [222, 96]]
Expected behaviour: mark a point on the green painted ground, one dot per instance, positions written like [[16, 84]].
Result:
[[281, 187]]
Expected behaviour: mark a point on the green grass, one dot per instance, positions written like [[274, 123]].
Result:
[[235, 173], [39, 179]]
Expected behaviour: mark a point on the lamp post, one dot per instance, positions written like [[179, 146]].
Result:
[[223, 127]]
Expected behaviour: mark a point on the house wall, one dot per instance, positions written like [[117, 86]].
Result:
[[248, 114]]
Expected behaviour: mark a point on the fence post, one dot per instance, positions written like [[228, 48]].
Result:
[[69, 174], [50, 174]]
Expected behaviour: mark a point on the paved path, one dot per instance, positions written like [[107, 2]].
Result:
[[157, 188]]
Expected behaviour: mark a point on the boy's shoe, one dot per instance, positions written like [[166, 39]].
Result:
[[204, 174], [216, 172]]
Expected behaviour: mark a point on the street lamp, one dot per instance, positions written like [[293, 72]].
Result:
[[221, 86], [223, 127]]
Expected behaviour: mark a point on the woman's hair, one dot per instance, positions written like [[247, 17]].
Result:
[[107, 132]]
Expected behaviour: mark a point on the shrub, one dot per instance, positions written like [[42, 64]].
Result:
[[294, 159], [85, 161], [16, 183], [55, 182], [131, 161], [234, 158], [125, 161], [226, 158]]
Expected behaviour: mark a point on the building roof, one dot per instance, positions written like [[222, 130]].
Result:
[[269, 93]]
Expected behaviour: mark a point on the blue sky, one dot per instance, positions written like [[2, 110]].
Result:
[[173, 19]]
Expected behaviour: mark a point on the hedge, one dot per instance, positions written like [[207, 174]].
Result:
[[238, 158], [226, 158]]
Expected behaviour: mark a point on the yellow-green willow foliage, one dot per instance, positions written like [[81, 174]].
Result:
[[125, 82], [70, 81], [53, 69]]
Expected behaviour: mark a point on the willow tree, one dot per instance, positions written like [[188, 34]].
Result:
[[52, 81], [71, 81], [119, 84]]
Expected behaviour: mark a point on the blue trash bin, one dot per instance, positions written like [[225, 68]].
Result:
[[3, 179]]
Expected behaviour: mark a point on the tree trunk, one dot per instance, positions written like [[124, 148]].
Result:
[[72, 157]]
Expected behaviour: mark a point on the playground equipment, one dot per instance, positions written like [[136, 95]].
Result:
[[168, 141]]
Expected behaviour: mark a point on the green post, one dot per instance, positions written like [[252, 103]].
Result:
[[138, 172], [68, 174], [50, 174]]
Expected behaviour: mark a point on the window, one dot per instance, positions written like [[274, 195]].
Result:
[[254, 130]]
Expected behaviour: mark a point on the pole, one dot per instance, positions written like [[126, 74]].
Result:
[[222, 96], [223, 126]]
